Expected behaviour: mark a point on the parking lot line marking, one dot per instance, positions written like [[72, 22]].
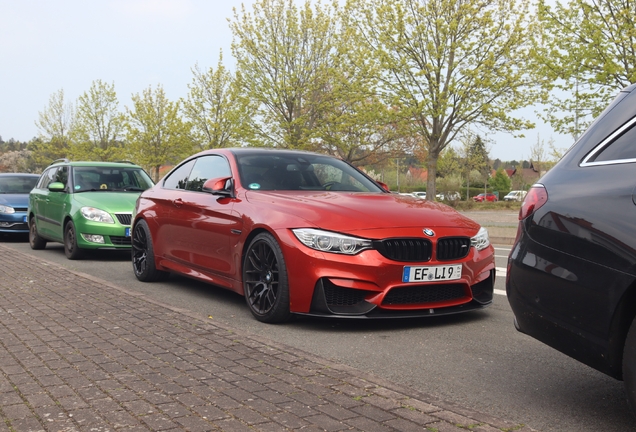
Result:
[[500, 292]]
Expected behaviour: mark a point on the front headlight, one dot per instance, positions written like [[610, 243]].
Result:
[[326, 241], [96, 215], [6, 209], [481, 240]]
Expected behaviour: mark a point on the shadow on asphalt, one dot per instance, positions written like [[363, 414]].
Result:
[[328, 324]]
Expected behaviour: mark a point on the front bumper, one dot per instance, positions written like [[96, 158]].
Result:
[[330, 300], [114, 235], [14, 223], [368, 285]]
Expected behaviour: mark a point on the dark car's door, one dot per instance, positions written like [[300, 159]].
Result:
[[201, 226]]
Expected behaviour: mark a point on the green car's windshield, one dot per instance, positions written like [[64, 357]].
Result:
[[111, 179], [17, 184]]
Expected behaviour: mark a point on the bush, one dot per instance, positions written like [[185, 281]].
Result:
[[499, 205]]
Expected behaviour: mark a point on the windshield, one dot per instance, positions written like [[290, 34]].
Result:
[[17, 184], [294, 171], [106, 179]]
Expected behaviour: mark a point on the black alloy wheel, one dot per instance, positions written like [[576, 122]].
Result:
[[143, 257], [265, 280]]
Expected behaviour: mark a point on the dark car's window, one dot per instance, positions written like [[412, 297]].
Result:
[[178, 178], [623, 147], [105, 179], [292, 171], [205, 168], [47, 178], [17, 184]]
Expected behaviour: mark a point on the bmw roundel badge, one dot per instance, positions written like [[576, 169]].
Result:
[[429, 232]]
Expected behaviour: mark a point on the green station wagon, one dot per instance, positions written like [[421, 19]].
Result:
[[85, 205]]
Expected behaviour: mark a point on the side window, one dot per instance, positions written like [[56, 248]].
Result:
[[179, 177], [61, 175], [46, 179], [623, 147], [205, 168]]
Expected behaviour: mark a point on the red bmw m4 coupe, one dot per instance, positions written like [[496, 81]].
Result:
[[304, 233]]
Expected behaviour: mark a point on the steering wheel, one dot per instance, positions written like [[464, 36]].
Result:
[[329, 185]]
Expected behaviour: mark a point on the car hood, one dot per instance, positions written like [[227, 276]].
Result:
[[362, 211], [115, 202], [15, 200]]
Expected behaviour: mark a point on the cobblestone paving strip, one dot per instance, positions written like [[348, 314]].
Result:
[[80, 354]]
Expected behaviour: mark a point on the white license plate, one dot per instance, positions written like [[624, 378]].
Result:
[[127, 232], [432, 274]]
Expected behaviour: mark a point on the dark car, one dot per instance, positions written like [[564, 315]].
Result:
[[482, 197], [571, 278], [85, 205], [304, 233], [14, 200]]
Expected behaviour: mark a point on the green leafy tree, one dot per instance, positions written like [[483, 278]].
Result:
[[283, 56], [356, 124], [97, 131], [155, 133], [215, 108], [474, 160], [501, 181], [448, 64], [449, 163], [587, 51], [54, 125]]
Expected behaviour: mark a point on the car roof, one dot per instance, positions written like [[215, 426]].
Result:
[[121, 164], [19, 174]]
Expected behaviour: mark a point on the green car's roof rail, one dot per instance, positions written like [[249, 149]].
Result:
[[59, 160], [67, 161]]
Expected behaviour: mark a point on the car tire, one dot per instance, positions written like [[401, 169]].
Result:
[[143, 255], [71, 249], [265, 283], [629, 366], [35, 241]]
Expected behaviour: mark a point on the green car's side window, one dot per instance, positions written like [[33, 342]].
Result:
[[47, 178], [61, 175]]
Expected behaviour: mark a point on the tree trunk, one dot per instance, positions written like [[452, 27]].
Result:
[[431, 166]]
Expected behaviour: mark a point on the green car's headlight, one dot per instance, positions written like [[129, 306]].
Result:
[[481, 240], [96, 215], [326, 241], [6, 209]]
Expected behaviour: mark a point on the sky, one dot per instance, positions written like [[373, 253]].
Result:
[[47, 46]]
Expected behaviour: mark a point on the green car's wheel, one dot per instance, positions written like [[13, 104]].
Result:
[[71, 249], [265, 280], [35, 241], [143, 256]]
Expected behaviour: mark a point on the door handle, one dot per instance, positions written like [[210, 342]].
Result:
[[178, 202]]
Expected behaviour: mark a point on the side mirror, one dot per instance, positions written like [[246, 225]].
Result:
[[384, 186], [57, 187], [219, 186]]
